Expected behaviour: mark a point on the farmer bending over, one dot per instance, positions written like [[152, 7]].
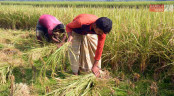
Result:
[[48, 28], [87, 33]]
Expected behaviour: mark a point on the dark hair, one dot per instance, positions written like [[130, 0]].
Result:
[[104, 24], [60, 28]]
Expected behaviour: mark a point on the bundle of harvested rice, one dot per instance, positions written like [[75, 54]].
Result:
[[4, 70], [37, 53], [57, 59], [87, 85], [76, 86]]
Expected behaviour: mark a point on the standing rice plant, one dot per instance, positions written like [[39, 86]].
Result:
[[133, 43], [87, 4]]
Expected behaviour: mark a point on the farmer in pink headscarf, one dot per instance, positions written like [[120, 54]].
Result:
[[48, 28]]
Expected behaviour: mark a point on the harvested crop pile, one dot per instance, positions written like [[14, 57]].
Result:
[[82, 85], [76, 86], [4, 70]]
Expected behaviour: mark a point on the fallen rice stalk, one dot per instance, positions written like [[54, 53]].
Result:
[[83, 85], [76, 86], [4, 70]]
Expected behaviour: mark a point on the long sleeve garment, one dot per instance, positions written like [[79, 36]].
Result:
[[82, 25]]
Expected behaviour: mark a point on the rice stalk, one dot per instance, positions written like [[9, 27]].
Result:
[[37, 53], [4, 70], [56, 60], [75, 86], [82, 85]]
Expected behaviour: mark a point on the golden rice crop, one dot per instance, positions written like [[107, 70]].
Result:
[[87, 4], [138, 39]]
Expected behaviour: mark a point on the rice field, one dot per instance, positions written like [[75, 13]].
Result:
[[138, 52], [137, 4]]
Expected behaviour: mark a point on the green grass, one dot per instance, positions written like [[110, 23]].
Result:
[[1, 46], [4, 89]]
